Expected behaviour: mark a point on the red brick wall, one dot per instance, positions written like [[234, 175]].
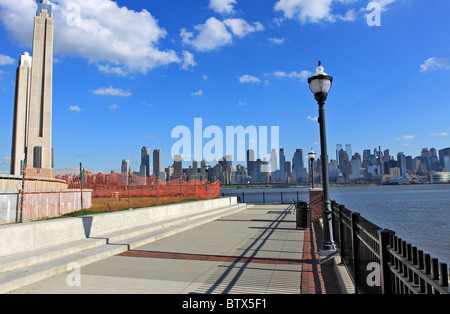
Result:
[[315, 199]]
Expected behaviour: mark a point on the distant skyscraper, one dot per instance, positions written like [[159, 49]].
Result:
[[297, 166], [177, 166], [156, 163], [442, 154], [125, 166], [32, 129], [273, 161], [282, 165], [338, 149], [145, 160], [250, 161], [348, 150], [401, 163]]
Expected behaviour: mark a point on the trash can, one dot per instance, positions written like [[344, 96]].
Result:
[[303, 215]]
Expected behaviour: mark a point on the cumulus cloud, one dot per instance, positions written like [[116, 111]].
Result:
[[303, 75], [75, 108], [222, 6], [406, 137], [188, 61], [433, 64], [241, 28], [249, 79], [215, 33], [439, 134], [98, 30], [110, 91], [315, 11], [6, 60], [277, 41], [197, 93]]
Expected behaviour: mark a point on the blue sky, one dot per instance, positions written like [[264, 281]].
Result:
[[126, 73]]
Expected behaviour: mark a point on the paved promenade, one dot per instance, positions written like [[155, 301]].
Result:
[[255, 251]]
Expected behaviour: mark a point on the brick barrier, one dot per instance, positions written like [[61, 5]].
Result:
[[316, 199]]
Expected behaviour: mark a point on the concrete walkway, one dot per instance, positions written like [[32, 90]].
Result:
[[256, 250]]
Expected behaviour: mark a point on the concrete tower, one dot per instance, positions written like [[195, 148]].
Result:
[[32, 130]]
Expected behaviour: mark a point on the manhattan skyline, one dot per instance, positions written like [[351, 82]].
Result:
[[233, 63]]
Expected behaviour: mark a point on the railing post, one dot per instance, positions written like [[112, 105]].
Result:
[[264, 198], [355, 250], [341, 233], [385, 237]]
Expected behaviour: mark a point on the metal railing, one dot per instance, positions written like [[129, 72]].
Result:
[[265, 197], [381, 263]]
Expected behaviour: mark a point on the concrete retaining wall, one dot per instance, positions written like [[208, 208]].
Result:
[[38, 205], [28, 236]]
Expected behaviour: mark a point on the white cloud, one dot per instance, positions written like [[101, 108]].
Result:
[[75, 108], [222, 6], [188, 61], [249, 79], [313, 118], [435, 64], [211, 35], [305, 11], [439, 134], [277, 41], [315, 11], [303, 75], [113, 107], [98, 30], [6, 60], [112, 70], [241, 103], [406, 137], [197, 93], [241, 28], [110, 91], [215, 33]]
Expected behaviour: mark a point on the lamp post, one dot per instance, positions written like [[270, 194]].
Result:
[[320, 84], [312, 157]]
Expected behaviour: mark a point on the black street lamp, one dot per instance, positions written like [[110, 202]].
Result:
[[312, 157], [320, 84]]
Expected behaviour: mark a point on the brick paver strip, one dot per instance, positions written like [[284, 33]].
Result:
[[214, 258]]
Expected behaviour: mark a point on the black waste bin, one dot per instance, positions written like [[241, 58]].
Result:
[[303, 215]]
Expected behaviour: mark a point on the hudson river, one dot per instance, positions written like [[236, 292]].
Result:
[[419, 214]]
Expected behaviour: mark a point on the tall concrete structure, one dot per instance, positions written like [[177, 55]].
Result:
[[32, 127]]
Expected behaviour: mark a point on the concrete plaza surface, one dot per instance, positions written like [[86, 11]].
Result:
[[254, 251]]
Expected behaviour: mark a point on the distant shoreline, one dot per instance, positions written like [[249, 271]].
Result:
[[287, 186]]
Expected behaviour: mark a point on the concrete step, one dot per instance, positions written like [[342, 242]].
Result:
[[24, 269]]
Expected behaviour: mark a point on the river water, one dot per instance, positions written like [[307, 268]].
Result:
[[419, 214]]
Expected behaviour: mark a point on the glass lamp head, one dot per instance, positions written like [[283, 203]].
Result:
[[320, 82]]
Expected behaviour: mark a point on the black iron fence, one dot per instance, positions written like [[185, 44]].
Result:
[[267, 197], [381, 263]]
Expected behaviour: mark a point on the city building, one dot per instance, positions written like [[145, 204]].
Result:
[[157, 163], [443, 153], [145, 162], [125, 166]]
